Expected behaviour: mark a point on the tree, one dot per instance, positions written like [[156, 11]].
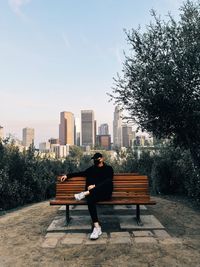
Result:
[[75, 152], [160, 81]]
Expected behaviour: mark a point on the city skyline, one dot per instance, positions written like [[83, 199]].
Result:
[[70, 130], [61, 128], [63, 56]]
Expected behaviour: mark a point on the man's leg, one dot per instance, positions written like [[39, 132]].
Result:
[[92, 198], [91, 201]]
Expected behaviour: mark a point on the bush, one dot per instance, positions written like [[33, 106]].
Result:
[[173, 172], [170, 171], [191, 176], [25, 178]]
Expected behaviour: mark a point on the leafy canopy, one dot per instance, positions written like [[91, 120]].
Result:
[[160, 81]]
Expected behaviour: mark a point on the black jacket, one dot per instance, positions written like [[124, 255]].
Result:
[[102, 177]]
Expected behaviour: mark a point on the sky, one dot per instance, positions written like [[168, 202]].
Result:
[[62, 55]]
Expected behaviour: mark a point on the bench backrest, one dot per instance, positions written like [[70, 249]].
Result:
[[125, 185]]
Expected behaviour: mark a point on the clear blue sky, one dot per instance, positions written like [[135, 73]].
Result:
[[62, 55]]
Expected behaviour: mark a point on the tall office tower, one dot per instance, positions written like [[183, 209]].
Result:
[[104, 141], [95, 131], [53, 141], [66, 128], [103, 129], [1, 132], [117, 127], [78, 138], [28, 136], [87, 128], [77, 132], [127, 136]]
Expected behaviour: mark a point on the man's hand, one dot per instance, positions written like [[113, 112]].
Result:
[[63, 178], [91, 186]]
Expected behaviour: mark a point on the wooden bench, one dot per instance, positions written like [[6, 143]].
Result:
[[129, 189]]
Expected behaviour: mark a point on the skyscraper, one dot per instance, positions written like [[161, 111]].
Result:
[[53, 141], [117, 127], [77, 132], [28, 136], [104, 141], [87, 128], [95, 131], [127, 136], [66, 128], [103, 129]]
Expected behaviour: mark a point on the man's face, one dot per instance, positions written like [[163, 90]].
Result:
[[97, 161]]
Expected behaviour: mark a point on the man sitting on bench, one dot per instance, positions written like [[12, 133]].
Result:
[[98, 187]]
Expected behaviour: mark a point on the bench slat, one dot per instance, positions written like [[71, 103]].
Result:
[[122, 201], [115, 178]]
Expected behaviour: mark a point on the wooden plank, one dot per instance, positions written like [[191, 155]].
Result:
[[109, 202], [116, 177], [114, 182]]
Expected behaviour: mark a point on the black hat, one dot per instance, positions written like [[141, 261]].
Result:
[[97, 155]]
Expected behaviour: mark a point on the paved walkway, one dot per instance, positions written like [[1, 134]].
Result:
[[119, 227]]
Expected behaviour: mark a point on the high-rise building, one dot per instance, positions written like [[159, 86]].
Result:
[[78, 138], [53, 141], [77, 132], [117, 127], [104, 141], [95, 131], [127, 136], [87, 128], [28, 136], [66, 128], [103, 129], [1, 132]]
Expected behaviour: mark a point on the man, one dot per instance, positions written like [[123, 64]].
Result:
[[98, 187]]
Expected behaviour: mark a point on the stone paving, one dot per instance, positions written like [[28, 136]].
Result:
[[52, 240], [119, 227]]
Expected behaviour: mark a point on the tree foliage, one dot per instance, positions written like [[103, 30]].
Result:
[[160, 82], [24, 177]]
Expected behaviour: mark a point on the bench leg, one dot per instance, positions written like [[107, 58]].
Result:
[[67, 214], [139, 222]]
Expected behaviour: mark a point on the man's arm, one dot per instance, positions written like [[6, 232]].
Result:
[[74, 174]]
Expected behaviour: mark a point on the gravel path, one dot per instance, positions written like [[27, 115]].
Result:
[[23, 231]]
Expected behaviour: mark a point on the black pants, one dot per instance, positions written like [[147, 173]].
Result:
[[96, 195]]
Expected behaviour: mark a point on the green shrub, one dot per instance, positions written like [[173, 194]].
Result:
[[26, 178]]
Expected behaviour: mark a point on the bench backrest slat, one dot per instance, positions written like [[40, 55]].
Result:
[[126, 185]]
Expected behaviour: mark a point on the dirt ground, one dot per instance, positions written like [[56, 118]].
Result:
[[22, 232]]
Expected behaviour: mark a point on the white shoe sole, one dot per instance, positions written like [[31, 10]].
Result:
[[96, 238]]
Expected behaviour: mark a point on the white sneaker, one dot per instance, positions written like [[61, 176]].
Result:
[[96, 233], [80, 196]]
